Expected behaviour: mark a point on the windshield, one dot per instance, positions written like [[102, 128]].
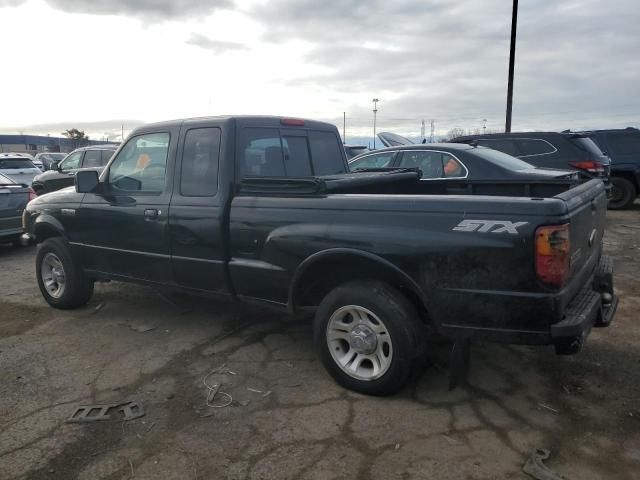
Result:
[[6, 180], [501, 159], [52, 156], [15, 163]]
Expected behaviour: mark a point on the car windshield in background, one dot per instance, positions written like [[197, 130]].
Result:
[[15, 164], [6, 180], [502, 159], [587, 145], [53, 156]]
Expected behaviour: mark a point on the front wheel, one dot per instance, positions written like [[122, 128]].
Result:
[[62, 282], [369, 337]]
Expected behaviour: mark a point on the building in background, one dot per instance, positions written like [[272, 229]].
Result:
[[33, 144]]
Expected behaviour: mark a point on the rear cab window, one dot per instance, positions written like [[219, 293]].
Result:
[[283, 152]]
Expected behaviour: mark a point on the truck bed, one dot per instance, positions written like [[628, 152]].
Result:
[[403, 181]]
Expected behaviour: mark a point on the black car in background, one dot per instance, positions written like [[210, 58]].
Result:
[[48, 158], [623, 147], [62, 174], [456, 162], [13, 199], [566, 150]]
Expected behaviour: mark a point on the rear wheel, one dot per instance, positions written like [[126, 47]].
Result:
[[369, 337], [62, 282], [623, 193]]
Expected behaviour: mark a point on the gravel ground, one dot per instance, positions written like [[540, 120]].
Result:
[[287, 418]]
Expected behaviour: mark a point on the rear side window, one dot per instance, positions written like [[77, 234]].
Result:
[[326, 152], [92, 159], [505, 146], [534, 146], [433, 164], [375, 160], [624, 143], [200, 162]]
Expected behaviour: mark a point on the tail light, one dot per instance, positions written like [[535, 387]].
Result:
[[32, 194], [590, 166], [552, 254]]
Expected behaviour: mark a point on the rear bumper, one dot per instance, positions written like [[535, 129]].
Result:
[[594, 306]]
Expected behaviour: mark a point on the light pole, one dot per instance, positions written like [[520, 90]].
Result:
[[375, 114], [512, 59], [484, 125]]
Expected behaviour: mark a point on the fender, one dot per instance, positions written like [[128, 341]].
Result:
[[44, 222], [339, 252]]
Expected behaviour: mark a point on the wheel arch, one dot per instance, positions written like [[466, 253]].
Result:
[[47, 226], [318, 274]]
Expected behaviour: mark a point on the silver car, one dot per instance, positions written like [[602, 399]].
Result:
[[18, 167]]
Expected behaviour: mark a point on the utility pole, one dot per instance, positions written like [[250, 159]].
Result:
[[484, 125], [512, 58], [122, 134], [433, 129], [422, 128], [375, 115], [344, 128]]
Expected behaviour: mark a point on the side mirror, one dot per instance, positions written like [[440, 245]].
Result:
[[87, 181], [55, 165]]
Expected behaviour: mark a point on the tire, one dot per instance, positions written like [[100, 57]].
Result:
[[62, 282], [623, 195], [343, 329]]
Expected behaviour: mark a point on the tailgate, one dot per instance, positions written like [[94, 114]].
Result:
[[587, 206]]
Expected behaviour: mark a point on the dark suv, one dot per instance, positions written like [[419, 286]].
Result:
[[62, 173], [548, 149], [623, 147]]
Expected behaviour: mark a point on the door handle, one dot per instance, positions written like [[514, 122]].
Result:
[[151, 213]]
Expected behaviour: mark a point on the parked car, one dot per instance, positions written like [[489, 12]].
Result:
[[62, 174], [262, 210], [623, 147], [18, 167], [48, 158], [455, 162], [354, 150], [548, 150], [13, 199]]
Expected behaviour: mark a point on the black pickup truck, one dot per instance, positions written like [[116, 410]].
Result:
[[260, 209]]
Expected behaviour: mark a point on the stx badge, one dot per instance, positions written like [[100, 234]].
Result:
[[489, 226]]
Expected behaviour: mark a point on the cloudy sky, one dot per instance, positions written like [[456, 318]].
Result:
[[100, 64]]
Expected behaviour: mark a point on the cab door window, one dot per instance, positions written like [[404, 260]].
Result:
[[140, 165], [92, 159], [72, 162]]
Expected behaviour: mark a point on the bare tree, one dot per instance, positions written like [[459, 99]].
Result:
[[455, 132]]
